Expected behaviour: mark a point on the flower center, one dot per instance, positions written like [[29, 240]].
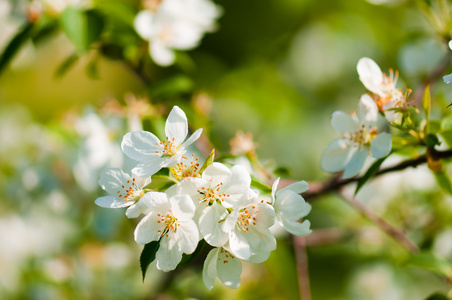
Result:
[[170, 222], [182, 170], [245, 219], [224, 255], [130, 191], [362, 136], [169, 147], [212, 194]]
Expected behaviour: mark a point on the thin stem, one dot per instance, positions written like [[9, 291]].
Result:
[[302, 267], [317, 189], [395, 233]]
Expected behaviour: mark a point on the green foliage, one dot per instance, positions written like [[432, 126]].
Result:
[[260, 185], [437, 296], [82, 27], [15, 45], [443, 180], [208, 161], [373, 169], [148, 256], [431, 262]]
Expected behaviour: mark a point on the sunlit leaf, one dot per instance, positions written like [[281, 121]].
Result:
[[437, 296], [426, 104], [208, 161], [148, 255], [446, 123], [118, 9], [431, 262], [66, 65], [261, 186], [443, 181], [447, 137]]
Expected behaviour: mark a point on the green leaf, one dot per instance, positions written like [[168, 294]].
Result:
[[447, 137], [431, 140], [91, 69], [225, 157], [259, 185], [431, 262], [120, 10], [172, 86], [373, 169], [208, 161], [443, 181], [437, 296], [426, 104], [446, 123], [15, 44], [435, 126], [160, 182], [66, 65], [148, 255], [82, 27]]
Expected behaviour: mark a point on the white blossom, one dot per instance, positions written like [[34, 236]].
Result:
[[170, 221], [290, 206], [224, 265], [448, 78], [359, 136], [153, 154]]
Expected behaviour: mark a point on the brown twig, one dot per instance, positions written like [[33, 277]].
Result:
[[316, 189], [302, 267], [395, 233]]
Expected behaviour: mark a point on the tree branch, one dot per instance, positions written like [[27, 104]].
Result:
[[316, 188], [302, 267]]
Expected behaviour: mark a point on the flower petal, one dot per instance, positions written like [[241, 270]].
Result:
[[176, 126], [298, 187], [355, 164], [169, 255], [239, 245], [187, 236], [182, 207], [336, 156], [162, 55], [147, 230], [381, 145], [368, 110], [447, 78], [149, 168], [140, 145], [209, 272], [343, 122], [111, 202], [296, 228], [144, 23], [229, 269], [210, 226], [192, 138], [370, 75]]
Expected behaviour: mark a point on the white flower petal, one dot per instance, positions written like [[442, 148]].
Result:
[[216, 173], [343, 122], [168, 256], [209, 272], [140, 145], [229, 269], [381, 145], [111, 202], [176, 126], [148, 168], [239, 245], [274, 188], [291, 205], [144, 24], [211, 227], [336, 156], [447, 78], [370, 75], [296, 228], [355, 164], [187, 236], [182, 207], [192, 138], [161, 54], [147, 230], [368, 110], [258, 258], [298, 187]]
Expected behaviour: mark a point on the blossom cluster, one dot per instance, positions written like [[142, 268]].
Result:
[[213, 202], [366, 132], [175, 24]]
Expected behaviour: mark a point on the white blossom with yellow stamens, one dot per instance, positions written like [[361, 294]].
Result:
[[153, 154], [170, 221], [123, 189], [359, 137], [224, 265]]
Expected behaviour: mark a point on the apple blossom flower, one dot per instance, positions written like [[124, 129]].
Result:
[[176, 24], [359, 136], [290, 206], [124, 190], [220, 262], [248, 227], [170, 221], [387, 96], [153, 154], [217, 190]]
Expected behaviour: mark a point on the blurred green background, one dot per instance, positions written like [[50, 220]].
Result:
[[274, 68]]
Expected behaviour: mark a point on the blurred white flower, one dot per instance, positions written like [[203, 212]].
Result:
[[448, 78], [176, 24], [359, 136]]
